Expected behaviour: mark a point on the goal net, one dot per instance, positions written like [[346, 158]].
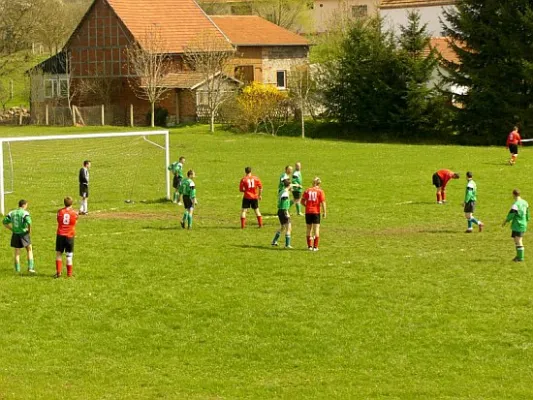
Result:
[[125, 166]]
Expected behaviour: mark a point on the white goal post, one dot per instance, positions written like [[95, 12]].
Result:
[[83, 136]]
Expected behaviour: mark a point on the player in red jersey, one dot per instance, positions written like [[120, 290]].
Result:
[[513, 140], [252, 188], [314, 199], [440, 180], [66, 222]]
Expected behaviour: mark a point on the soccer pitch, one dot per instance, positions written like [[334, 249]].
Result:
[[399, 303]]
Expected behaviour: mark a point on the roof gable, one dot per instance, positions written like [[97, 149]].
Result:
[[415, 3], [251, 30], [179, 21]]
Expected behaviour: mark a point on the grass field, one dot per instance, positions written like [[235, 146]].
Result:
[[398, 304]]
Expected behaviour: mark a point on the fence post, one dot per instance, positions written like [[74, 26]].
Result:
[[20, 117], [46, 115], [131, 115], [73, 115], [11, 90], [103, 115]]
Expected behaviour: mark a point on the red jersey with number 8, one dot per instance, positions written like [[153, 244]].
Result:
[[66, 222], [250, 185], [313, 197]]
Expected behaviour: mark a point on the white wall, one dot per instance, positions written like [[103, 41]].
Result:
[[396, 17]]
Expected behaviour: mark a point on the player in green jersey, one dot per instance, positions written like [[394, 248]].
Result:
[[188, 191], [518, 217], [177, 171], [287, 175], [470, 203], [284, 203], [297, 188], [19, 222]]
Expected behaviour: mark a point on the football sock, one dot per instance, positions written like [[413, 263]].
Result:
[[520, 252], [185, 214], [243, 222], [298, 208], [474, 221], [276, 237], [260, 221], [59, 267], [30, 264], [287, 240], [309, 242], [17, 267], [69, 270], [316, 242], [443, 196], [469, 224], [189, 220], [438, 197]]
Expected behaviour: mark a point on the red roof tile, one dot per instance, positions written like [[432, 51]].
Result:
[[250, 30], [414, 3], [180, 21], [443, 47]]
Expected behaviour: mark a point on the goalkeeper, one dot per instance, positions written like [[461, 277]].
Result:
[[177, 170]]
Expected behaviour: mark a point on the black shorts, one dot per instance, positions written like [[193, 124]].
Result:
[[470, 207], [312, 219], [64, 244], [250, 203], [437, 182], [84, 190], [284, 217], [187, 202], [517, 234], [513, 148], [176, 182], [20, 241], [296, 195]]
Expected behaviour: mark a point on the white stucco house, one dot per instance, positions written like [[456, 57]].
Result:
[[394, 13], [326, 12]]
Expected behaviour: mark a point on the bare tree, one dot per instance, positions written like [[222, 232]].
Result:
[[149, 63], [301, 86], [295, 15], [210, 55]]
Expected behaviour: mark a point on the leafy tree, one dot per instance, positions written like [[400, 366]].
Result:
[[494, 41]]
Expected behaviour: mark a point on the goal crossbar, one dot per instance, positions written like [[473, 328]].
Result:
[[81, 136]]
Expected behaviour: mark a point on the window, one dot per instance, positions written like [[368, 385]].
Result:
[[56, 88], [359, 11], [245, 73], [281, 79]]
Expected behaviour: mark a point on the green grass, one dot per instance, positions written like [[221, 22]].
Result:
[[398, 304]]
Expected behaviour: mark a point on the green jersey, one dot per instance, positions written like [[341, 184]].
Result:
[[297, 180], [519, 215], [176, 168], [20, 220], [281, 185], [188, 188], [284, 201], [471, 191]]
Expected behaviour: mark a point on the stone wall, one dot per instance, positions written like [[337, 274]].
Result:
[[282, 58]]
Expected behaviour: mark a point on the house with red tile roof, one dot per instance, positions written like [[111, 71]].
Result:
[[264, 52]]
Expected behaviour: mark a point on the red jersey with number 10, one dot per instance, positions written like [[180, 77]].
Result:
[[313, 197], [250, 185], [66, 221]]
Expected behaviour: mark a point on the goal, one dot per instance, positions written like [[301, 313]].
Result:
[[127, 163]]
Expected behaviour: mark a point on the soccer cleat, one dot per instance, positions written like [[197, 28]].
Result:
[[288, 247], [55, 276], [182, 224], [439, 202], [315, 248], [180, 203], [31, 271], [516, 259], [310, 248], [275, 244], [468, 231], [481, 226], [302, 214]]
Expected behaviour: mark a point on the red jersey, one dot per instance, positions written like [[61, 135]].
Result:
[[66, 222], [445, 175], [250, 186], [514, 138], [313, 197]]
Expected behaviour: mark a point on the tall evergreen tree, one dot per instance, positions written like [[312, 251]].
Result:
[[494, 42]]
